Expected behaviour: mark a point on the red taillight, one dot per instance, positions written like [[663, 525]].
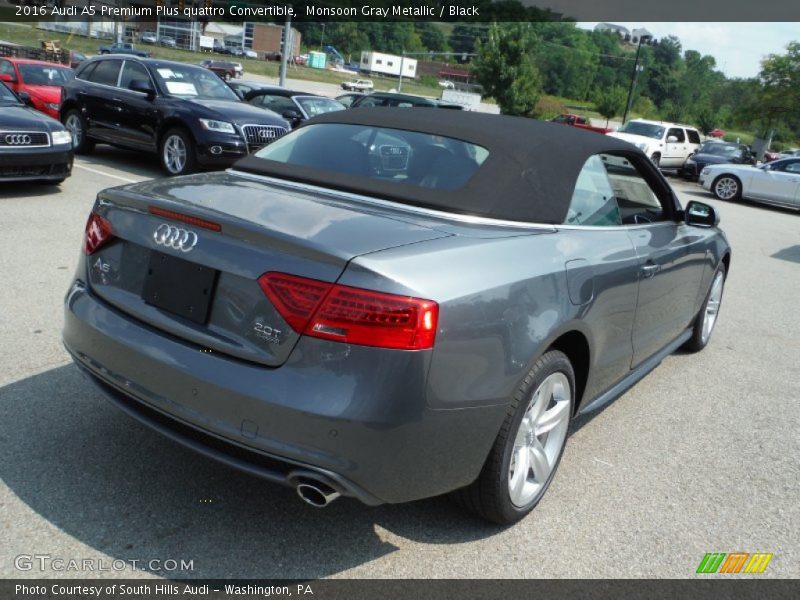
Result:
[[295, 298], [352, 315], [98, 233]]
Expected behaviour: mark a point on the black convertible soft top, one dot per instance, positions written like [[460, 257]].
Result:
[[530, 173]]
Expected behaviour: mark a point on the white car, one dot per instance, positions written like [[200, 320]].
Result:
[[776, 182], [237, 67], [250, 53], [358, 85], [447, 85], [667, 144]]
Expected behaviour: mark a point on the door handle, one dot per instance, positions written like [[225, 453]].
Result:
[[649, 270]]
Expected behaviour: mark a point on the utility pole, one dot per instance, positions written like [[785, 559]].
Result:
[[634, 75], [286, 50], [402, 64]]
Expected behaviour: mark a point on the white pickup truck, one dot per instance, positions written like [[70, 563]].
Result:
[[358, 85]]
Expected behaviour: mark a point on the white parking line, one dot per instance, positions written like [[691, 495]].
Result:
[[125, 179]]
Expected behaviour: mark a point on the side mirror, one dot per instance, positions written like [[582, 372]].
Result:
[[672, 139], [7, 78], [701, 214], [292, 116], [25, 97], [142, 86]]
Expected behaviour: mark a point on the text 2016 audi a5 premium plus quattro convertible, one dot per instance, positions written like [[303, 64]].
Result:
[[392, 304]]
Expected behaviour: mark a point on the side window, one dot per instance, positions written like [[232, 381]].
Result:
[[106, 72], [637, 202], [694, 136], [6, 68], [133, 70], [85, 71], [593, 201], [367, 102], [678, 133], [793, 167]]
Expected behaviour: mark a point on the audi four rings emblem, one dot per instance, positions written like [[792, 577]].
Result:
[[18, 139], [175, 237]]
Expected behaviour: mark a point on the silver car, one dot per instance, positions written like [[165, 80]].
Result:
[[392, 304]]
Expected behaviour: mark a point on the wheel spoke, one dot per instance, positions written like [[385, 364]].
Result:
[[525, 428], [520, 476], [538, 461], [541, 399], [552, 418]]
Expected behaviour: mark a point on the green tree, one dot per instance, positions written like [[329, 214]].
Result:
[[506, 69], [610, 102], [779, 96], [705, 119], [432, 36]]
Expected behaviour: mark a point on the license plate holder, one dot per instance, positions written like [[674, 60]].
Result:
[[179, 286]]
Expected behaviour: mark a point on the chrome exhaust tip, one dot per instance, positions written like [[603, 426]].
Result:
[[317, 495]]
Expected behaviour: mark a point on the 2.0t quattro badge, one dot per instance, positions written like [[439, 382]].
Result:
[[175, 237]]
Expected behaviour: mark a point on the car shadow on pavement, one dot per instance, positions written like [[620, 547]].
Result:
[[28, 189], [131, 162], [127, 492]]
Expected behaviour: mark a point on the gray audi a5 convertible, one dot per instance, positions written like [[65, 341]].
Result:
[[392, 304]]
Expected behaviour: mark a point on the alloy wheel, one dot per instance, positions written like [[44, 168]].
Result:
[[712, 306], [75, 128], [175, 154], [539, 440], [726, 188]]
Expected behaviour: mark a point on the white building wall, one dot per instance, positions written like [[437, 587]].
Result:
[[388, 64]]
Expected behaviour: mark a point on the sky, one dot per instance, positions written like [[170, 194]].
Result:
[[737, 47]]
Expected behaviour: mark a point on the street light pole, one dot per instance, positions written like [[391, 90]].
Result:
[[633, 78], [286, 49]]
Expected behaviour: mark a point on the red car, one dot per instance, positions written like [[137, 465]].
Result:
[[39, 80], [716, 133]]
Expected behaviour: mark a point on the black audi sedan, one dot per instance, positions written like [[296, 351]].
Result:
[[33, 147], [716, 153], [185, 113]]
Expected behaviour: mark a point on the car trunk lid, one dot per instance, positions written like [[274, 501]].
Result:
[[187, 254]]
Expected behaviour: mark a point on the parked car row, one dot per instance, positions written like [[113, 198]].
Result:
[[33, 146]]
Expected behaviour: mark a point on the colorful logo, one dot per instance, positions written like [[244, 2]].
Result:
[[734, 562]]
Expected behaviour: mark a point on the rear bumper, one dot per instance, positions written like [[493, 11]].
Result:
[[353, 417]]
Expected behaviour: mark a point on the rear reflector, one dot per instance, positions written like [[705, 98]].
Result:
[[352, 315], [98, 233], [176, 216]]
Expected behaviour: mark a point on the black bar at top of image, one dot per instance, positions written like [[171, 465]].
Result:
[[733, 588], [419, 10]]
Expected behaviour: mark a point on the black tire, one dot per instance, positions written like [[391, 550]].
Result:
[[489, 496], [190, 162], [656, 159], [723, 182], [699, 340]]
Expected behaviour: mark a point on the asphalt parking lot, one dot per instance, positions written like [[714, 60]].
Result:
[[701, 456]]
